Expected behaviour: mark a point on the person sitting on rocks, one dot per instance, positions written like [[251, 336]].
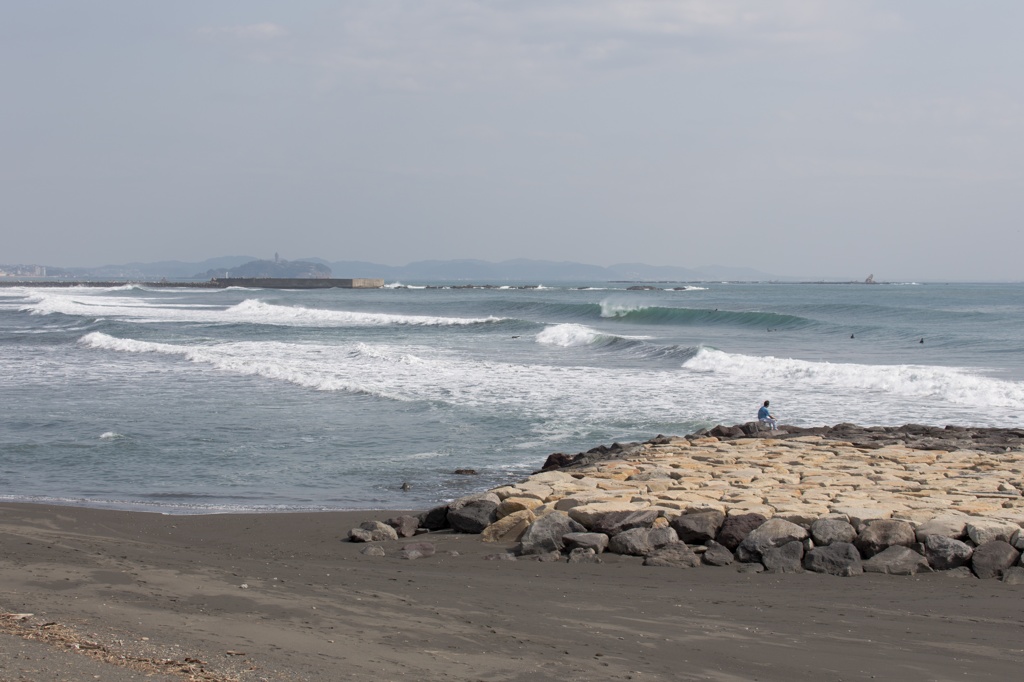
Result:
[[766, 418]]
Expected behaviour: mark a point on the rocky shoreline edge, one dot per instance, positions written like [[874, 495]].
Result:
[[841, 500]]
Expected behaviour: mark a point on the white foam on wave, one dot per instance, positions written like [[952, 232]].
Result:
[[111, 435], [948, 384], [568, 335], [618, 308], [250, 311]]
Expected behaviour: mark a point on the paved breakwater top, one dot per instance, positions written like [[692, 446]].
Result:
[[841, 500], [216, 283]]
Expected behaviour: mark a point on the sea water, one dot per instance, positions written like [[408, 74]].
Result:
[[206, 400]]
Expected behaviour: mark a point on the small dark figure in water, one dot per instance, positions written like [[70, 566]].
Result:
[[922, 340], [851, 336]]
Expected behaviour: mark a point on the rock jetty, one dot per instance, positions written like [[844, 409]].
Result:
[[842, 500]]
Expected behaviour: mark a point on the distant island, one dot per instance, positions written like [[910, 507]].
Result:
[[264, 269]]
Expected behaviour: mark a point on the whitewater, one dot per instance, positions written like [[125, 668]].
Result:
[[194, 401]]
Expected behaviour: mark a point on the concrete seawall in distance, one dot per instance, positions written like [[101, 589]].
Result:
[[247, 282]]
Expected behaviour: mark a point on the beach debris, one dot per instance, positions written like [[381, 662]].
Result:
[[584, 555], [244, 586], [503, 556]]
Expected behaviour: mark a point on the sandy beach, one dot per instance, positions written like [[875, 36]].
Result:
[[127, 595]]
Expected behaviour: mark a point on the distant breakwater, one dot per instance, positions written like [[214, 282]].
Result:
[[841, 500], [221, 283]]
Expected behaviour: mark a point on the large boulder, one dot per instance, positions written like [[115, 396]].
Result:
[[435, 519], [547, 532], [372, 531], [737, 527], [508, 528], [405, 525], [717, 555], [416, 550], [771, 533], [838, 558], [615, 522], [883, 533], [944, 553], [828, 531], [982, 531], [786, 558], [897, 560], [473, 516], [641, 541], [698, 528], [948, 525], [673, 555], [595, 541], [993, 558]]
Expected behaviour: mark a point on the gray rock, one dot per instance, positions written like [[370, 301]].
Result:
[[1014, 575], [372, 531], [717, 555], [897, 560], [372, 550], [1017, 540], [749, 568], [837, 558], [473, 516], [673, 555], [982, 531], [698, 528], [416, 550], [772, 533], [882, 533], [991, 559], [475, 497], [944, 553], [405, 525], [641, 541], [829, 531], [595, 541], [737, 527], [784, 559], [582, 555], [435, 519], [546, 533], [615, 522]]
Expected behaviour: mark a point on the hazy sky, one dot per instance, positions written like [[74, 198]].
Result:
[[799, 137]]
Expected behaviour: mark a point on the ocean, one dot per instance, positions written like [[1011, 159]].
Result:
[[225, 400]]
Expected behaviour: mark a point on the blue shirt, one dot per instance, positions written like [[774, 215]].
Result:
[[763, 413]]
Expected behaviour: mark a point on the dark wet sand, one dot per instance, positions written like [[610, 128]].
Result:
[[153, 588]]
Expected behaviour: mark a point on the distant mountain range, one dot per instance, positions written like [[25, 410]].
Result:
[[518, 270]]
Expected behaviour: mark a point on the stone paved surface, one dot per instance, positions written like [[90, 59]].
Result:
[[797, 478]]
